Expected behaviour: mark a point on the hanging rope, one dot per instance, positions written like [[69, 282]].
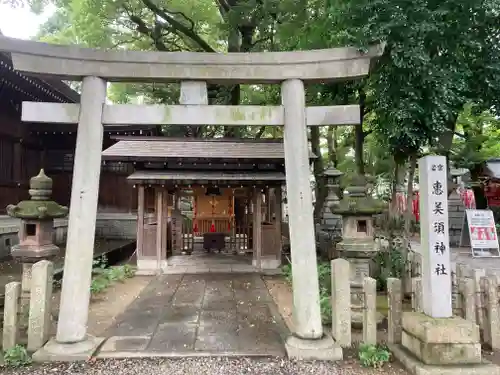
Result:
[[212, 226], [195, 221], [230, 210]]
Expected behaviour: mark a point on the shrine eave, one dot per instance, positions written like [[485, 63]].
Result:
[[184, 178], [34, 87]]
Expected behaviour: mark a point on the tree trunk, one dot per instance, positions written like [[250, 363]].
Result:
[[409, 192], [320, 190], [396, 182], [480, 197], [478, 189], [332, 146], [359, 136], [233, 45]]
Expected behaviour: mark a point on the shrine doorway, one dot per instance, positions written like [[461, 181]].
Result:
[[198, 226]]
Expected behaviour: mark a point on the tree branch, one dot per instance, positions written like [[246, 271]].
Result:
[[144, 29], [224, 7], [179, 26], [261, 131]]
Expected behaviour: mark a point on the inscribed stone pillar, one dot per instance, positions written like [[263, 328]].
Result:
[[493, 323], [75, 295], [416, 298], [40, 304], [370, 311], [436, 270], [341, 302], [395, 297], [307, 317], [11, 315], [469, 299]]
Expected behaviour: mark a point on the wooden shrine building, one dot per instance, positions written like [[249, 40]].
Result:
[[26, 147], [231, 190]]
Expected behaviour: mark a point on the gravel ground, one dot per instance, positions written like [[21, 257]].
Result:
[[205, 366]]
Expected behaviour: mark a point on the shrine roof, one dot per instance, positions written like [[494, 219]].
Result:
[[218, 176], [157, 148], [33, 87]]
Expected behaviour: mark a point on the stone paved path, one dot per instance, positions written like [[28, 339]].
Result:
[[223, 314]]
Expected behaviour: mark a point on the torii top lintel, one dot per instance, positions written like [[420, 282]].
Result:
[[73, 63]]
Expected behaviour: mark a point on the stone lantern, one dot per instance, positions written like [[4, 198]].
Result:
[[36, 231], [37, 221], [331, 176], [358, 244]]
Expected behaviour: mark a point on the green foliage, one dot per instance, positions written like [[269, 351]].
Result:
[[324, 276], [325, 289], [103, 276], [390, 260], [480, 131], [287, 272], [325, 305], [438, 56], [430, 67], [373, 355], [390, 263], [16, 357]]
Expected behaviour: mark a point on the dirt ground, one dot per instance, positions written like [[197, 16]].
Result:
[[105, 306], [281, 291]]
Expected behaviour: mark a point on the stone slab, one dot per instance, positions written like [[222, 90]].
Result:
[[58, 352], [168, 316], [416, 367], [454, 330], [173, 337], [442, 354], [125, 343], [324, 349]]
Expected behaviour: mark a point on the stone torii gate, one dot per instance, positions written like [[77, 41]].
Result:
[[97, 67]]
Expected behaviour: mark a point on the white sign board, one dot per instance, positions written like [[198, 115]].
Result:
[[436, 267], [479, 232]]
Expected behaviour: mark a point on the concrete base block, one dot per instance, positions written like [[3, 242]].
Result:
[[454, 330], [442, 354], [58, 352], [149, 267], [268, 263], [416, 367], [324, 349]]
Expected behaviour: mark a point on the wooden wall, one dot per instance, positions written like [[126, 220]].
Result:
[[23, 153], [19, 157]]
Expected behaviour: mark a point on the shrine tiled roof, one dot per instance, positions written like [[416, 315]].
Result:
[[157, 148]]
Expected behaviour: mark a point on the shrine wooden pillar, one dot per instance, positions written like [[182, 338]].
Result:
[[269, 204], [164, 226], [278, 218], [140, 221], [257, 228], [160, 220]]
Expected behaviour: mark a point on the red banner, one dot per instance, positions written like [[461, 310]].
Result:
[[492, 193]]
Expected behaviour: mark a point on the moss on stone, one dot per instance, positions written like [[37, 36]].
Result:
[[356, 202], [37, 210]]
